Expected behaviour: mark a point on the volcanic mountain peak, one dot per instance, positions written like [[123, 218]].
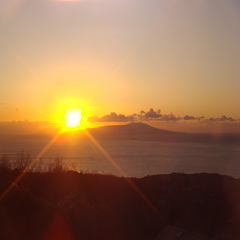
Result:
[[129, 129]]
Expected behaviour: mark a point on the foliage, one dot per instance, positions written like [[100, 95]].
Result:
[[5, 163], [56, 166], [22, 160], [38, 166]]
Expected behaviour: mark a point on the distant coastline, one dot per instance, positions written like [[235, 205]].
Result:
[[136, 131], [139, 152]]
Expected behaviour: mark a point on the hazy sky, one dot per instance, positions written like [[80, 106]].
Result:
[[121, 56]]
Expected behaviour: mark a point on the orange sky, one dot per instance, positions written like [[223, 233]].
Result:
[[122, 57]]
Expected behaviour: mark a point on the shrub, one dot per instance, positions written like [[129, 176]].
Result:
[[22, 160], [5, 163], [56, 166], [38, 166]]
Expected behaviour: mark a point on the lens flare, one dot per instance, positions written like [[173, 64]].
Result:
[[73, 118]]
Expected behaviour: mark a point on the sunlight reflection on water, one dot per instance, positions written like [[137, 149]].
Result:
[[136, 158]]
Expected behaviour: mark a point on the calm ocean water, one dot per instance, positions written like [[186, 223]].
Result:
[[135, 158]]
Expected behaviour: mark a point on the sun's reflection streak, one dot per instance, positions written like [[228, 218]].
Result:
[[3, 195], [131, 183]]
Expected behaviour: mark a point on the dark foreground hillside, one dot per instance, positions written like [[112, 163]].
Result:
[[72, 205]]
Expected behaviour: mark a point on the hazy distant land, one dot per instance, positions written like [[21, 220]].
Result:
[[131, 131], [142, 131]]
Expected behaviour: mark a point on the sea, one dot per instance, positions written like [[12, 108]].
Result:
[[134, 158]]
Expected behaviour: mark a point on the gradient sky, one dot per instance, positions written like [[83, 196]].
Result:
[[122, 56]]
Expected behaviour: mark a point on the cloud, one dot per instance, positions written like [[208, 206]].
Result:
[[112, 117], [187, 117], [157, 116], [221, 119], [210, 120], [142, 112], [170, 117], [17, 109], [151, 114], [224, 118]]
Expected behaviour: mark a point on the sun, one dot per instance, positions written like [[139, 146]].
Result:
[[73, 118]]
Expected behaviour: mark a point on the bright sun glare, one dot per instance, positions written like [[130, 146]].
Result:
[[73, 118]]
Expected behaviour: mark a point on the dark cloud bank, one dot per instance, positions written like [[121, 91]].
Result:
[[153, 115], [141, 116]]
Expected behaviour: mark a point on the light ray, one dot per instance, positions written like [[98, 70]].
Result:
[[103, 151], [3, 195], [131, 183]]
